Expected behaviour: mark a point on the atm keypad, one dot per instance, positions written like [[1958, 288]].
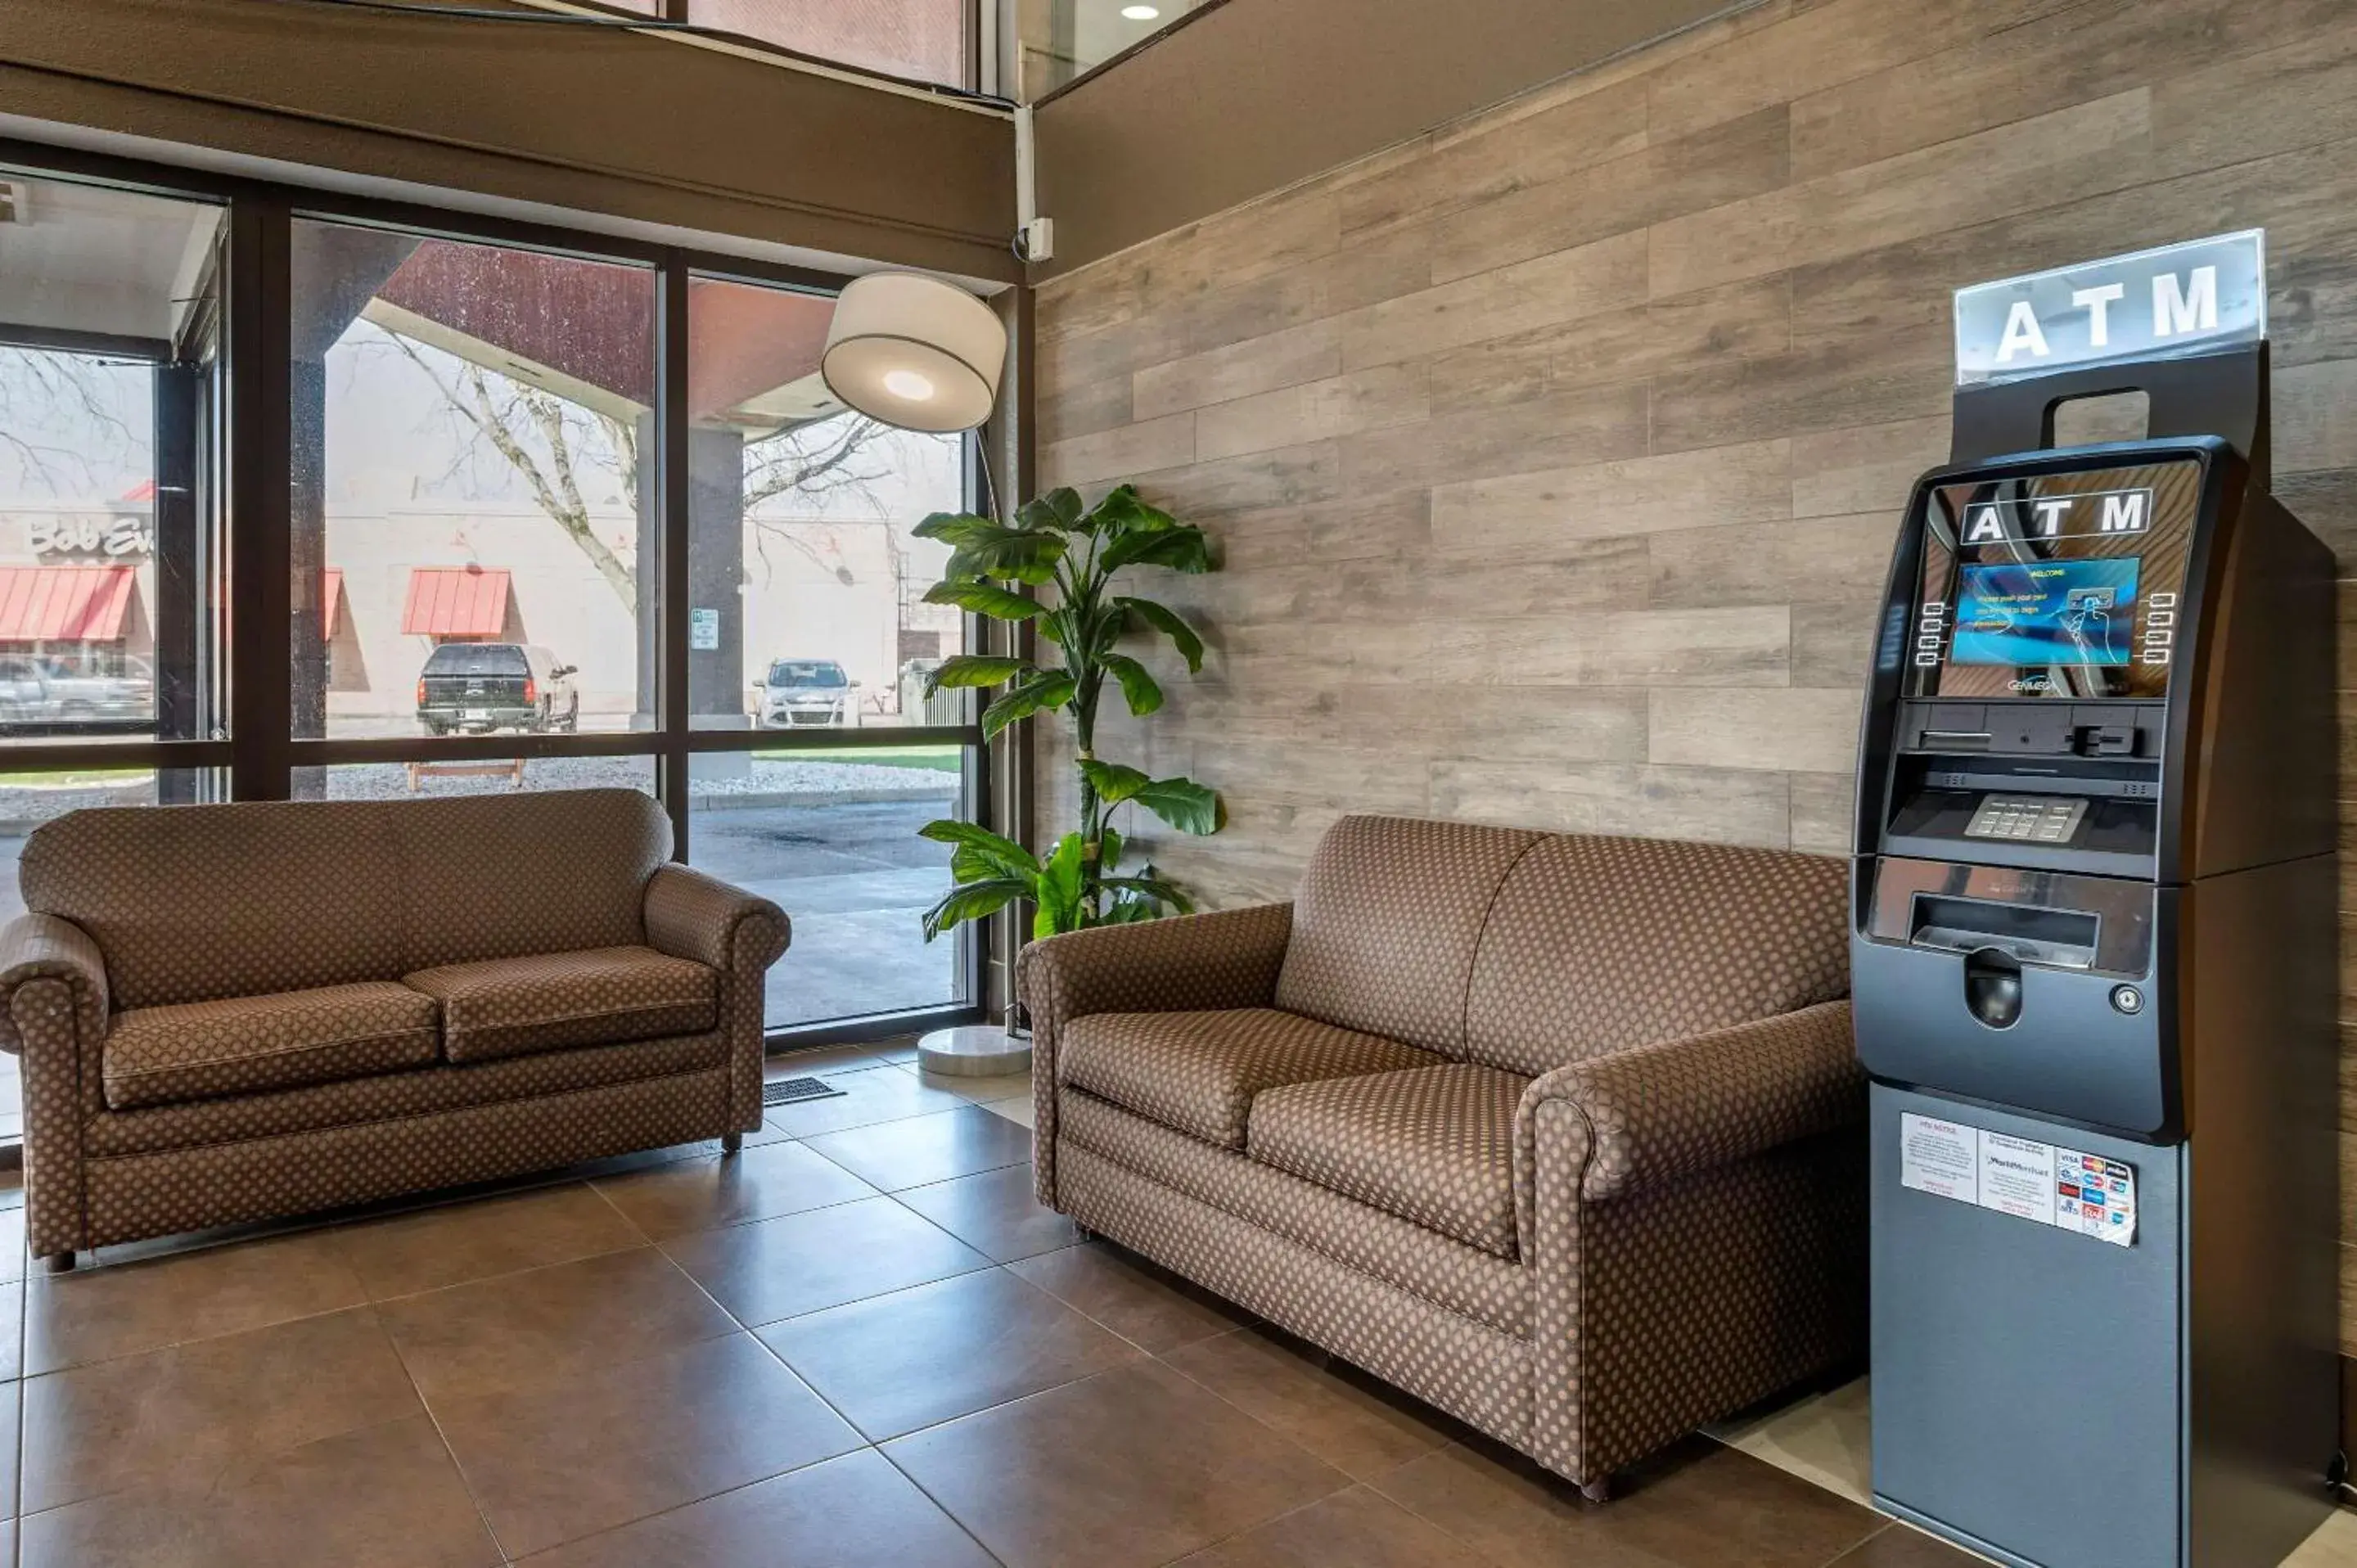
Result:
[[2027, 819]]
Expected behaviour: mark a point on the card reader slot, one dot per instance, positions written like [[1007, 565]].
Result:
[[2060, 939]]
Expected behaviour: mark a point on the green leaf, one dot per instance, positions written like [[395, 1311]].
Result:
[[1144, 694], [1127, 912], [1109, 848], [955, 528], [1182, 549], [974, 670], [1059, 890], [1011, 859], [1050, 689], [1123, 513], [1021, 555], [1058, 508], [972, 902], [983, 598], [1113, 782], [1186, 805], [1166, 620], [1150, 889]]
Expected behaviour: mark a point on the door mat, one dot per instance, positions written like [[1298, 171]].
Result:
[[794, 1090]]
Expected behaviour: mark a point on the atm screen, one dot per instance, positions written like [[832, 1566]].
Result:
[[2045, 612], [2065, 585]]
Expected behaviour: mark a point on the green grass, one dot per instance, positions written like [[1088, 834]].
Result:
[[78, 778], [932, 759]]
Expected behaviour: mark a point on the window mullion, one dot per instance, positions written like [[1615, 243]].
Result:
[[260, 442], [675, 493]]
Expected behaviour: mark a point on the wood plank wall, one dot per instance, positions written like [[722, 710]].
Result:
[[1556, 456]]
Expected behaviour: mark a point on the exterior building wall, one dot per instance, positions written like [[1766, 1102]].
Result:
[[811, 590]]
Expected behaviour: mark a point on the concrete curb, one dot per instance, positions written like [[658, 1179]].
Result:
[[753, 801], [750, 801]]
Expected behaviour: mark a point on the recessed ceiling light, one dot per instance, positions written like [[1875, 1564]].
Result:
[[1140, 13], [910, 384]]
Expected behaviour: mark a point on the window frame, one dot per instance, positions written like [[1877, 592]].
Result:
[[673, 14], [261, 755]]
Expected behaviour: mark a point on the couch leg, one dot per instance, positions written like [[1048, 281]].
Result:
[[732, 1143], [58, 1262], [1599, 1491]]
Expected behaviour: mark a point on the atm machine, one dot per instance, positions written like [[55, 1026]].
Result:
[[2094, 973]]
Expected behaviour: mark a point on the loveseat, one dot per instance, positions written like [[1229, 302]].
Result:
[[239, 1012], [1563, 1135]]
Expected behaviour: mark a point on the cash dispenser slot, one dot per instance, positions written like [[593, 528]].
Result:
[[2033, 728], [2058, 939]]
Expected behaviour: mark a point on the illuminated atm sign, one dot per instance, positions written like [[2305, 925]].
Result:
[[2057, 517], [2162, 304]]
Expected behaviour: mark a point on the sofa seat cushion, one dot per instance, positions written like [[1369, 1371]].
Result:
[[553, 1001], [1198, 1072], [254, 1045], [1433, 1144]]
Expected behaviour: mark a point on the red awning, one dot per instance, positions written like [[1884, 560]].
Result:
[[64, 604], [456, 601], [331, 599]]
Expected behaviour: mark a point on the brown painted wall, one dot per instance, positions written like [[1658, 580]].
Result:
[[641, 127], [1556, 464], [1253, 95]]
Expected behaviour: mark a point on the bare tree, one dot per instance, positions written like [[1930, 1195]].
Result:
[[57, 420], [501, 409], [545, 439]]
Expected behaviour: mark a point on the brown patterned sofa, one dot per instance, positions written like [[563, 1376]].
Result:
[[1562, 1134], [233, 1013]]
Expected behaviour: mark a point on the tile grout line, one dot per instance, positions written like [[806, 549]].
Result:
[[434, 1419], [946, 1512], [24, 1359]]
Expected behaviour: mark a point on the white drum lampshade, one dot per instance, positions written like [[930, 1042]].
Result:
[[915, 352]]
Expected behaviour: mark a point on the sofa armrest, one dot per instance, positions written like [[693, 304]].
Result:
[[47, 946], [1189, 963], [1656, 1112], [692, 916]]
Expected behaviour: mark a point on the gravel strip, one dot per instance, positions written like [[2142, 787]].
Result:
[[801, 783]]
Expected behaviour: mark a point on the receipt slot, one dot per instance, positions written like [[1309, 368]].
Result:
[[2094, 971]]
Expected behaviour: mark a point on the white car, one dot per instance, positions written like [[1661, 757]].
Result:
[[808, 694]]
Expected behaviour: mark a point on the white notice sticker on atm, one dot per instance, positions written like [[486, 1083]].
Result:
[[1941, 1158], [2017, 1177], [2089, 1194]]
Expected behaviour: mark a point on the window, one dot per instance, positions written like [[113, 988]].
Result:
[[810, 635], [439, 447], [1062, 38], [928, 40], [109, 558], [808, 580], [469, 424]]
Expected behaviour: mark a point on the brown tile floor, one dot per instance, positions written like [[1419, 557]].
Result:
[[859, 1345]]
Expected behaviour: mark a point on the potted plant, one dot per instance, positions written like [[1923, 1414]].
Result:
[[1057, 542]]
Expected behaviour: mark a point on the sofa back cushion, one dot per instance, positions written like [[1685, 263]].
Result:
[[1597, 944], [191, 903], [1386, 923], [509, 875], [194, 902]]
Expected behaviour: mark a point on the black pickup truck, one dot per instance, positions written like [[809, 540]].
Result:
[[478, 687]]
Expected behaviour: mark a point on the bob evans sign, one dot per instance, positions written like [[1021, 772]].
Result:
[[2177, 300]]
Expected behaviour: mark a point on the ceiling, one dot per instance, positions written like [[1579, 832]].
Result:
[[92, 259]]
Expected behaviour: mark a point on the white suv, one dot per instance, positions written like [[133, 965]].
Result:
[[808, 693]]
